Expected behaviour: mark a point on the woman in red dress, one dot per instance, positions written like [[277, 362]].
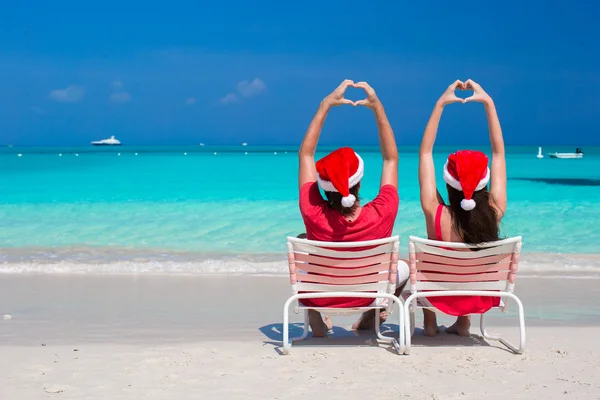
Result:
[[473, 214]]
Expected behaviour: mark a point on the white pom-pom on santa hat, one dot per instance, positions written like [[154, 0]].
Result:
[[467, 205], [339, 171], [468, 172], [348, 201]]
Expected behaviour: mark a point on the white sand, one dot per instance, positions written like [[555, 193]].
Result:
[[559, 364], [175, 338]]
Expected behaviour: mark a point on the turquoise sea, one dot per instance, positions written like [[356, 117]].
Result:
[[230, 208]]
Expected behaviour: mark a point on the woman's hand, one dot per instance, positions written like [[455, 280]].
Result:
[[372, 100], [450, 96], [336, 98], [479, 94]]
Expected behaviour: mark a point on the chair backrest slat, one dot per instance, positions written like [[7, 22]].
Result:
[[342, 251], [496, 285], [343, 267], [443, 266], [342, 281], [317, 287], [451, 252], [442, 277], [349, 272], [438, 259], [461, 269], [344, 262]]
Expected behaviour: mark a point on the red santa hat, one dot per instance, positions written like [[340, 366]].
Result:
[[339, 171], [468, 172]]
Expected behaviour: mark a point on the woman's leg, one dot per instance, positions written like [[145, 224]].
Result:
[[461, 326]]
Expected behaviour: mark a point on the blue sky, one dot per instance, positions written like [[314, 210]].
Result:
[[189, 72]]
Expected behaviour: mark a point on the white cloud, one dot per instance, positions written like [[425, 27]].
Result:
[[117, 85], [71, 94], [245, 89], [120, 97], [229, 99], [190, 101], [249, 89]]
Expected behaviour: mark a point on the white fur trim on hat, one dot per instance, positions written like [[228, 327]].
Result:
[[467, 205], [348, 201], [453, 182], [352, 181]]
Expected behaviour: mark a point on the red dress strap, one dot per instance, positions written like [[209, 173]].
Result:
[[438, 222]]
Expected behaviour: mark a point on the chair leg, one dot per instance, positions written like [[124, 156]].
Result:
[[378, 330], [407, 334], [484, 332], [306, 325], [398, 344], [286, 331], [287, 343], [522, 337]]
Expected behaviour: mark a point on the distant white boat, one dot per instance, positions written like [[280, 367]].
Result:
[[578, 154], [244, 144], [201, 144], [107, 142], [540, 155]]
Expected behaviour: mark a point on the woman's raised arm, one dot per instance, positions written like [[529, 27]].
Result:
[[306, 155], [429, 194], [498, 178]]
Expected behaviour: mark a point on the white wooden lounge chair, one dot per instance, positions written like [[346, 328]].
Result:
[[438, 269], [365, 269]]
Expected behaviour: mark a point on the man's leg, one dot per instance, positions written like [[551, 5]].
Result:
[[367, 319], [318, 325], [430, 327]]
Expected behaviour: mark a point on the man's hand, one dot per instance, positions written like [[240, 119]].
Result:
[[372, 100], [336, 98]]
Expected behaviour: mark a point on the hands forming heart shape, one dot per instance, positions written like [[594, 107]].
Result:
[[336, 98], [450, 96]]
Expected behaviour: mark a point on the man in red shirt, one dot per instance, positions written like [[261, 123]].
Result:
[[341, 218]]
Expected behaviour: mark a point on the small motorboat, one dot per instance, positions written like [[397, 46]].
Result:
[[107, 142], [578, 154]]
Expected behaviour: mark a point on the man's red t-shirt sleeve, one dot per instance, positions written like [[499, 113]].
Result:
[[386, 204], [312, 204]]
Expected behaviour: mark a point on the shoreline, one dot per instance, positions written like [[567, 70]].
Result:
[[116, 260]]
